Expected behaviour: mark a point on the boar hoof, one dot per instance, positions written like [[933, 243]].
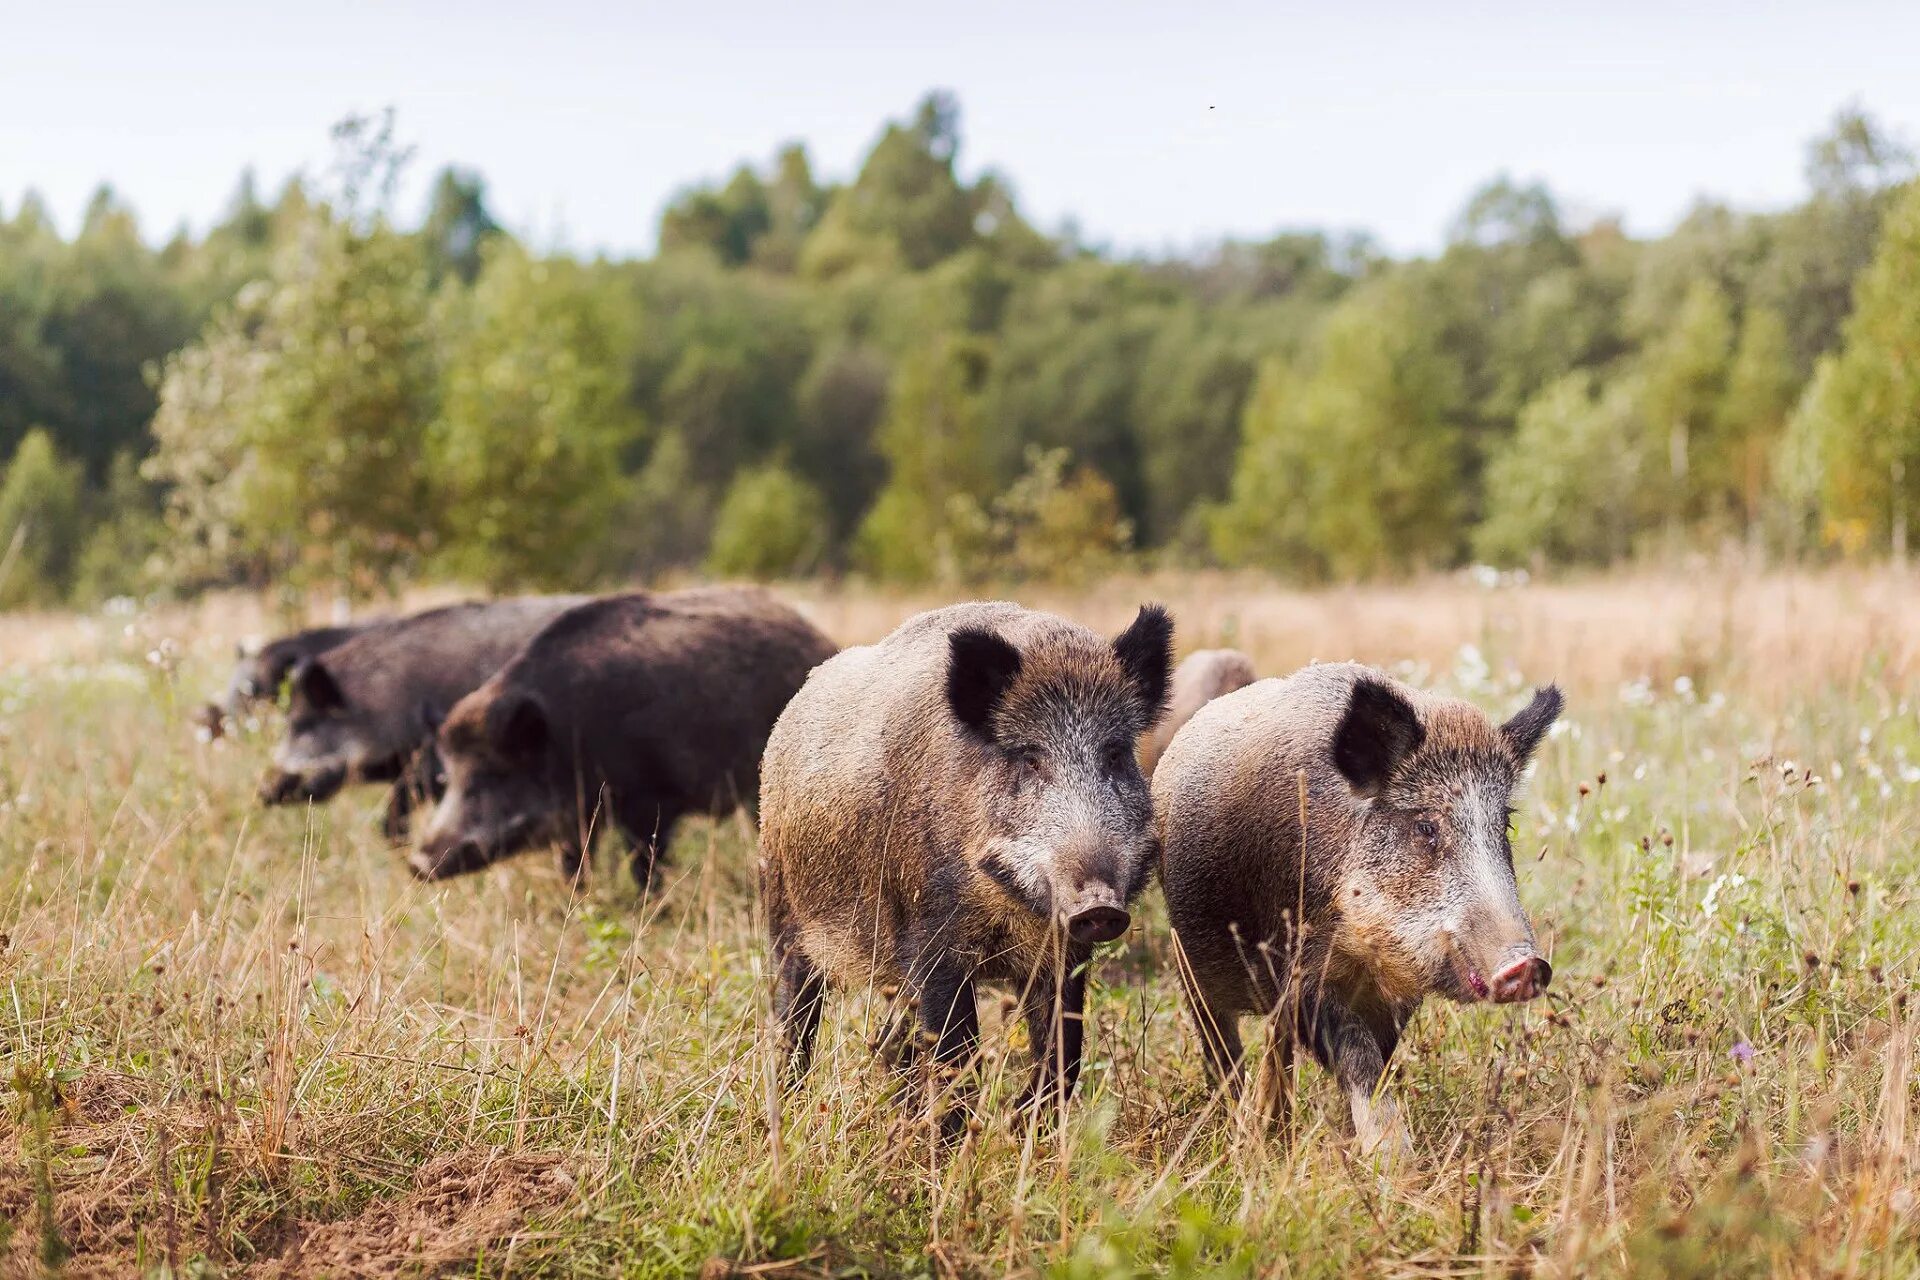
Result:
[[1383, 1140]]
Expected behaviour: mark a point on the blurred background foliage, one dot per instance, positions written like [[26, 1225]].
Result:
[[898, 376]]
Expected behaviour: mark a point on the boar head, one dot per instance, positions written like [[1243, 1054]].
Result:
[[1064, 812], [1425, 892]]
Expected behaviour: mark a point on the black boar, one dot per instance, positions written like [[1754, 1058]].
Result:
[[1204, 676], [959, 804], [360, 712], [1404, 880], [645, 707], [257, 676]]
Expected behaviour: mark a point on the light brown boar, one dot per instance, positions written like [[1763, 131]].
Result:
[[1402, 879], [1204, 676], [960, 804]]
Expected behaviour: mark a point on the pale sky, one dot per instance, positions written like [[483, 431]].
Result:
[[1154, 126]]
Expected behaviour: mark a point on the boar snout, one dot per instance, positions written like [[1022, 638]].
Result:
[[1095, 914], [278, 788], [284, 787], [1520, 981], [444, 863], [1498, 970], [1098, 924]]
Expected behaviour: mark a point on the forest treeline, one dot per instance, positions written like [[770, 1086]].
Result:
[[899, 376]]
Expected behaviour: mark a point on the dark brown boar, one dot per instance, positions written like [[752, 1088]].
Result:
[[362, 711], [1204, 676], [1403, 883], [643, 707], [258, 675], [961, 804]]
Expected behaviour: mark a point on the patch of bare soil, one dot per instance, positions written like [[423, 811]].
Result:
[[96, 1180], [462, 1205], [97, 1161]]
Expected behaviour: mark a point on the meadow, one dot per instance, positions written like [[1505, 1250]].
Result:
[[239, 1041]]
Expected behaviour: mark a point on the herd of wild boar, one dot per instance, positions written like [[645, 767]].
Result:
[[978, 798]]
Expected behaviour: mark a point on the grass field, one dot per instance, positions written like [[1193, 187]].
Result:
[[237, 1040]]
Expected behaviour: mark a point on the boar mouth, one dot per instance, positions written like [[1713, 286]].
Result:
[[1462, 980], [283, 787], [442, 860], [1093, 913], [456, 860], [1016, 886], [1515, 982]]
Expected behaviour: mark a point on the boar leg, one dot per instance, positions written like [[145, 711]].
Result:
[[400, 802], [797, 999], [1056, 1028], [647, 826], [1358, 1059], [898, 1045], [1217, 1024], [950, 1020], [1274, 1085]]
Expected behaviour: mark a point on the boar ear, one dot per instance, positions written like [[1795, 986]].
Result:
[[1530, 724], [316, 686], [1376, 735], [1145, 650], [517, 725], [980, 667], [278, 670]]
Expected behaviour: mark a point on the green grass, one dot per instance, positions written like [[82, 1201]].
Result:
[[238, 1039]]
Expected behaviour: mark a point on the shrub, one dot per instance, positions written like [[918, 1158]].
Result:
[[772, 524]]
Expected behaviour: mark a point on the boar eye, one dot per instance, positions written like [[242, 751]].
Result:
[[1117, 755], [1028, 760], [1427, 829]]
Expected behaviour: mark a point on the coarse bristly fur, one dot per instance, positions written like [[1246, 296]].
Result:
[[258, 675], [960, 804], [1202, 677], [635, 710], [1404, 880], [360, 712]]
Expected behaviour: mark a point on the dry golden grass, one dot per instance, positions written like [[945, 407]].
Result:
[[246, 1041]]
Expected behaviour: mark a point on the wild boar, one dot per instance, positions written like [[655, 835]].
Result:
[[642, 708], [1204, 676], [961, 804], [1402, 882], [361, 711], [259, 673]]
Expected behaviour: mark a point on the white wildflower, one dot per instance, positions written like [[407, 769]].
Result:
[[1726, 880]]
